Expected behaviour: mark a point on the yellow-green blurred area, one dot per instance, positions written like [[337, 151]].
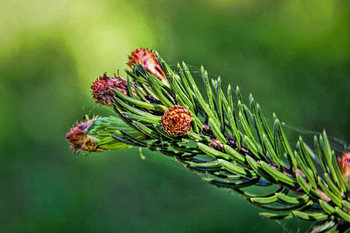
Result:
[[293, 56]]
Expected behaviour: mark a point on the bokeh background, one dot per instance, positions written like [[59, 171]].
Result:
[[294, 56]]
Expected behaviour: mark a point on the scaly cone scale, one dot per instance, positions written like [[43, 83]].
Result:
[[232, 146]]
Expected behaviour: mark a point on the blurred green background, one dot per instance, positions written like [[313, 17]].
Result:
[[294, 56]]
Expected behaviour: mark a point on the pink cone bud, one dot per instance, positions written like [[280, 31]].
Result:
[[79, 139], [344, 165]]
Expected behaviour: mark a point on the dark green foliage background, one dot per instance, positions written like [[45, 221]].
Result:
[[294, 56]]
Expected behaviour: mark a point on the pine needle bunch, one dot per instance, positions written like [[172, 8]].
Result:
[[218, 135]]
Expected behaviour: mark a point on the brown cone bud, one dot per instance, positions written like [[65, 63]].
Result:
[[80, 140], [148, 60], [101, 89], [176, 121]]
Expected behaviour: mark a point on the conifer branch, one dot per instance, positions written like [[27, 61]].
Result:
[[227, 141]]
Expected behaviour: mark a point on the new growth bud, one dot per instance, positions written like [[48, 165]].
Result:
[[80, 140], [101, 89], [148, 60], [176, 121], [344, 165], [99, 134]]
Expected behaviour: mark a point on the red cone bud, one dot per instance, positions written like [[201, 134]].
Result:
[[101, 89], [148, 60]]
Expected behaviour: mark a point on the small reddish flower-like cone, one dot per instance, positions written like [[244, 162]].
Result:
[[79, 139], [101, 89], [344, 165], [148, 60], [176, 121]]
